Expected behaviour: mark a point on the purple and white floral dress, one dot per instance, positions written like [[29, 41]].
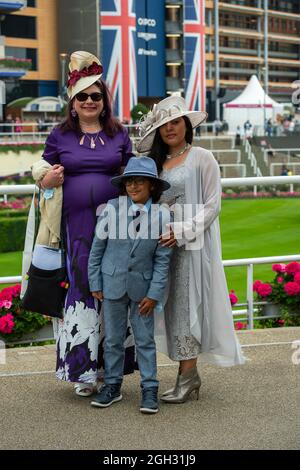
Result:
[[86, 186]]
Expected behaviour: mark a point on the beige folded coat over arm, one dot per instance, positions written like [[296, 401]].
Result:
[[51, 209]]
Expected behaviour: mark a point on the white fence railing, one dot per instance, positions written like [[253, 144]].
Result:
[[249, 262], [294, 167], [248, 313], [220, 153], [267, 151], [252, 158], [229, 168]]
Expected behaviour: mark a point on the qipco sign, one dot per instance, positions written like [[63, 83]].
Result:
[[147, 22]]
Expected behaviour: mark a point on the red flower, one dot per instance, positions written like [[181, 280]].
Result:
[[292, 268], [16, 290], [94, 69], [264, 290], [240, 325], [256, 285], [6, 294], [74, 77], [233, 298], [7, 324], [292, 288], [297, 277], [278, 268], [281, 322]]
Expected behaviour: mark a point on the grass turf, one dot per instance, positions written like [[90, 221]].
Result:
[[249, 229]]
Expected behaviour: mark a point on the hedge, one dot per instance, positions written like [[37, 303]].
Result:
[[13, 213], [12, 233]]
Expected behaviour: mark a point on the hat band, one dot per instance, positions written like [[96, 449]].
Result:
[[75, 75], [140, 172]]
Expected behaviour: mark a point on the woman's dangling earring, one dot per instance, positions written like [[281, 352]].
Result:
[[103, 113], [73, 113]]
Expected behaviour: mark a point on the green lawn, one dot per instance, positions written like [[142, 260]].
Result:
[[255, 228], [250, 228]]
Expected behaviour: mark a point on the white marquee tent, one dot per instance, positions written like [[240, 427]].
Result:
[[253, 104]]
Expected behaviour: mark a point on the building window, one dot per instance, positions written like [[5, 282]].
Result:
[[18, 26], [23, 53]]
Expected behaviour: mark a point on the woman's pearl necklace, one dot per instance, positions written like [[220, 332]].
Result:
[[177, 154]]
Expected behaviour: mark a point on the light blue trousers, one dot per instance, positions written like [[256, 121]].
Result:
[[115, 324]]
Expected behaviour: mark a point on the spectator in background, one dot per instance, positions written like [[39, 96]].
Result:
[[225, 126], [270, 151], [290, 173], [198, 131], [238, 136], [217, 127], [18, 127], [8, 121], [220, 166], [284, 171], [291, 126], [248, 130], [269, 128]]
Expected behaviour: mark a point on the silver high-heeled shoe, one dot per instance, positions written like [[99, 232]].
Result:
[[188, 382], [171, 391]]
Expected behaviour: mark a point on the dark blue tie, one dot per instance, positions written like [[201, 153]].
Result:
[[137, 226]]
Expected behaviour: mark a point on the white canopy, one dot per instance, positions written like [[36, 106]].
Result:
[[252, 104]]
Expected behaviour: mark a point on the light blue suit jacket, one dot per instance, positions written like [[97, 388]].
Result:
[[119, 265]]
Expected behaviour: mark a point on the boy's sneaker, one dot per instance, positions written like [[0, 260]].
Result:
[[149, 402], [109, 394]]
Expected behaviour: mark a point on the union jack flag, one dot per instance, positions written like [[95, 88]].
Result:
[[194, 45], [118, 25]]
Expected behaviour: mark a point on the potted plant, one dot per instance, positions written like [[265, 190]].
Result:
[[282, 292], [17, 324]]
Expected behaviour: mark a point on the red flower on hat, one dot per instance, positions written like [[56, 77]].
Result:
[[93, 69]]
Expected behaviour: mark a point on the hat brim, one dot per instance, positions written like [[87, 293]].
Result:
[[82, 84], [196, 118], [118, 180]]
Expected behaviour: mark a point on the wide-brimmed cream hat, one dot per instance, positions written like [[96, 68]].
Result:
[[84, 70], [166, 110]]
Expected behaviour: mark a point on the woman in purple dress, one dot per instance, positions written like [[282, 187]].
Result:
[[85, 152]]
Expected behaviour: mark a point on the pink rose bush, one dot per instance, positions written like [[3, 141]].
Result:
[[233, 298], [284, 290], [14, 320]]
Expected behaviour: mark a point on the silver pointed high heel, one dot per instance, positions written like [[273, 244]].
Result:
[[188, 382], [171, 391]]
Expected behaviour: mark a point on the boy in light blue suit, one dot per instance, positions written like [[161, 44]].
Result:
[[129, 269]]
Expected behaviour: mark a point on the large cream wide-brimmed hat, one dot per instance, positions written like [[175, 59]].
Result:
[[166, 110], [84, 70]]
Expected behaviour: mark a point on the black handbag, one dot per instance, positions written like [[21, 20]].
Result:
[[46, 289]]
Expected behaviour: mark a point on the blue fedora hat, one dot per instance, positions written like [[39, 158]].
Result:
[[140, 166]]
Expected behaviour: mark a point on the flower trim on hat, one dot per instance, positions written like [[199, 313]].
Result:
[[148, 120], [75, 75]]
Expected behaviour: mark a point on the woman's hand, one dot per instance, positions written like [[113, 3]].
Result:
[[146, 306], [167, 239], [54, 177], [98, 295]]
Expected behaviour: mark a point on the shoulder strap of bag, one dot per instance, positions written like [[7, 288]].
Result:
[[29, 241]]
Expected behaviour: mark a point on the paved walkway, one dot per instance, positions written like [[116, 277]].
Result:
[[255, 406]]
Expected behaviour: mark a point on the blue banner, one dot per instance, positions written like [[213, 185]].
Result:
[[150, 48]]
